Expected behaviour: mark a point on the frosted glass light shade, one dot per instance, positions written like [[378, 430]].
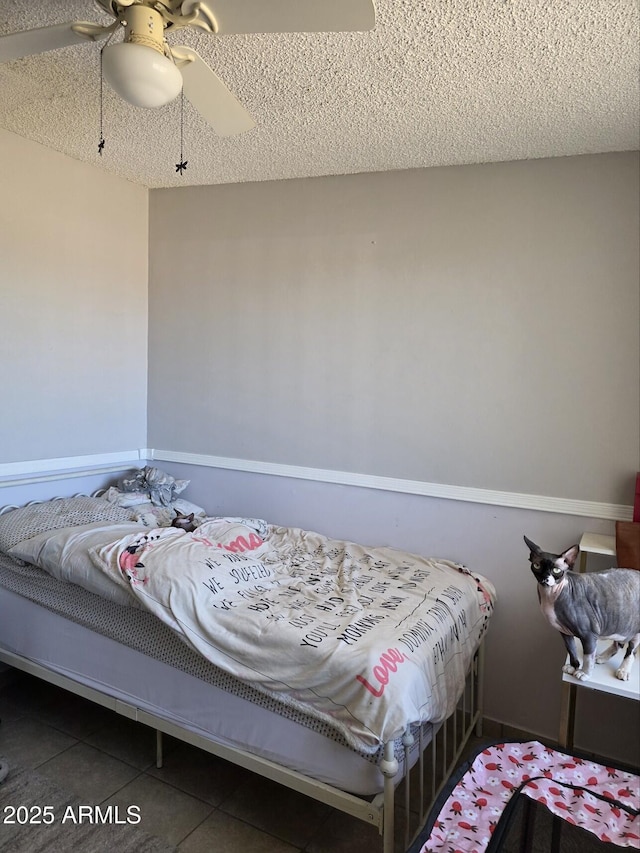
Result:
[[140, 74]]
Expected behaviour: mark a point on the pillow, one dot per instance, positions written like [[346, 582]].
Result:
[[161, 487], [125, 499], [28, 521], [162, 516], [64, 554], [150, 514]]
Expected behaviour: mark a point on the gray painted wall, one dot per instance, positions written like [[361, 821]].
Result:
[[476, 326], [73, 306]]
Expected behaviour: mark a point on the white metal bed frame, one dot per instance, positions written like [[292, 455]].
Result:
[[437, 758]]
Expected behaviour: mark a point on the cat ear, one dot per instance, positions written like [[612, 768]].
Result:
[[571, 555], [190, 517], [532, 546]]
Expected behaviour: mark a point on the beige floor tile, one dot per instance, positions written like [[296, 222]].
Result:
[[165, 812], [74, 715], [126, 740], [32, 692], [345, 834], [198, 773], [10, 712], [221, 833], [491, 729], [26, 695], [88, 772], [27, 743], [278, 810], [512, 733], [9, 708]]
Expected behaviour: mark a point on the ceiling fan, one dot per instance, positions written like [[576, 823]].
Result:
[[147, 71]]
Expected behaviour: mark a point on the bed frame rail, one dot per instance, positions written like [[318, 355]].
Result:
[[442, 755]]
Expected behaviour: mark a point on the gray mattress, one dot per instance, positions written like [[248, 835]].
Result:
[[141, 631]]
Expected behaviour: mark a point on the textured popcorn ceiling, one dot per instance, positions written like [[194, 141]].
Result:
[[438, 82]]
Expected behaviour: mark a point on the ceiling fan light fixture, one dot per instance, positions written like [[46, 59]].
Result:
[[141, 75]]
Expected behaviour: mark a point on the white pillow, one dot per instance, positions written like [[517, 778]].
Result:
[[150, 514], [162, 516], [125, 499], [64, 554]]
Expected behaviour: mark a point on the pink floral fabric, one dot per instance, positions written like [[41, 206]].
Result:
[[600, 799]]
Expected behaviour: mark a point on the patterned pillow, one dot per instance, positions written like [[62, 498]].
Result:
[[17, 525]]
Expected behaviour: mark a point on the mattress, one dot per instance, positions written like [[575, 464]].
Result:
[[128, 654]]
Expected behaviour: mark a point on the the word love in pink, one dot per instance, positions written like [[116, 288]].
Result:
[[389, 662]]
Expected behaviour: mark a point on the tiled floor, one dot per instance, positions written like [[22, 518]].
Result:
[[196, 801]]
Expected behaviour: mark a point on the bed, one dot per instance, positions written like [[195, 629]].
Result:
[[327, 666]]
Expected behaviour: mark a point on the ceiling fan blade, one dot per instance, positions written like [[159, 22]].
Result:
[[290, 16], [209, 95], [42, 39]]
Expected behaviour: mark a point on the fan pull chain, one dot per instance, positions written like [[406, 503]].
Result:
[[101, 142], [182, 165]]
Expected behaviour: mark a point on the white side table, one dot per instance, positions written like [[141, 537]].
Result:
[[596, 543], [603, 679]]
